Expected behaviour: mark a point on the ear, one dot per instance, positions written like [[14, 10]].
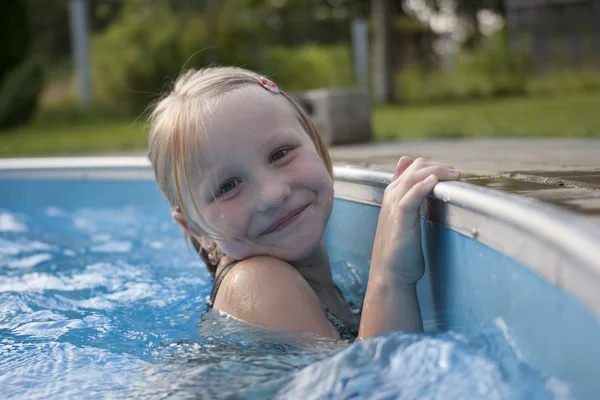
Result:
[[205, 242], [178, 217]]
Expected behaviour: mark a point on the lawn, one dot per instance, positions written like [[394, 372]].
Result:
[[85, 136], [570, 116]]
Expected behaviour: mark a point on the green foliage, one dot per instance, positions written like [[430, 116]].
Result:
[[21, 79], [236, 35], [311, 67], [562, 82], [134, 56], [19, 93], [298, 22], [49, 24], [149, 44], [14, 35], [490, 71], [565, 116]]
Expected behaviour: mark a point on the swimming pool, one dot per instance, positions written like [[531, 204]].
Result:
[[99, 297]]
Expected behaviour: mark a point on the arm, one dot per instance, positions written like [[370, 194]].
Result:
[[397, 262], [390, 305], [269, 292]]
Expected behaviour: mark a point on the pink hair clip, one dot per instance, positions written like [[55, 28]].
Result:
[[269, 85]]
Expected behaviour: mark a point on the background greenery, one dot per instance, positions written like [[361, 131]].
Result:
[[140, 46]]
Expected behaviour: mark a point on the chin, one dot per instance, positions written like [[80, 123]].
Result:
[[301, 247]]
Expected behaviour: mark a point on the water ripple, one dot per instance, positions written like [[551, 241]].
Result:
[[409, 366], [111, 304], [53, 370]]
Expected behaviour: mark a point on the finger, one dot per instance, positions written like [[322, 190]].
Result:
[[418, 164], [422, 163], [414, 197], [442, 172], [403, 163]]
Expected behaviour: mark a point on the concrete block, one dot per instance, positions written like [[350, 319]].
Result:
[[343, 116]]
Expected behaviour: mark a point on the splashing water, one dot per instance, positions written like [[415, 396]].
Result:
[[98, 303]]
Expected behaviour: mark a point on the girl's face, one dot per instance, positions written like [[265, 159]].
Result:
[[265, 187]]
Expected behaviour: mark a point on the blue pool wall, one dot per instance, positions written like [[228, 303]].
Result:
[[468, 284]]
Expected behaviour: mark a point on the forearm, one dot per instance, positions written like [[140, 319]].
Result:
[[397, 261], [389, 305]]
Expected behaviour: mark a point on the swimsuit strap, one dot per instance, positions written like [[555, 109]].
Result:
[[218, 280]]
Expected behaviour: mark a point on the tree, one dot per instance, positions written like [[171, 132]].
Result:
[[468, 10], [21, 77], [14, 35], [382, 61], [50, 25]]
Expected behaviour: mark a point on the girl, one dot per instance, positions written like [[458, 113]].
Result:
[[250, 182]]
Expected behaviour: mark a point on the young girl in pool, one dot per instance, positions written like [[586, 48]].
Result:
[[250, 182]]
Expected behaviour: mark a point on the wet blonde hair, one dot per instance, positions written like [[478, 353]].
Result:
[[177, 127]]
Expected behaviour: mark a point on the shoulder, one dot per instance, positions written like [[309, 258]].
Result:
[[255, 278], [266, 268], [270, 292]]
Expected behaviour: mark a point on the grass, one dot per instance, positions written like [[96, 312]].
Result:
[[569, 116], [87, 136]]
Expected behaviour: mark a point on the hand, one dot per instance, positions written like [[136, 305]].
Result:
[[397, 251]]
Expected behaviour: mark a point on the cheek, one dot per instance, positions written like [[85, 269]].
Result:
[[312, 170], [233, 224], [324, 184], [229, 218], [328, 200]]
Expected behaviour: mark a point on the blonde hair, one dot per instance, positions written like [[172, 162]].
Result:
[[176, 124]]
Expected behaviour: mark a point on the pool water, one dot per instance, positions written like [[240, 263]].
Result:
[[110, 302]]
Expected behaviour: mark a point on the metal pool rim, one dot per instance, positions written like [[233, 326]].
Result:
[[560, 246]]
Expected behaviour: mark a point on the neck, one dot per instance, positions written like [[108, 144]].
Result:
[[315, 269]]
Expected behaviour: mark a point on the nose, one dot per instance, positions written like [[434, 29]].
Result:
[[272, 193]]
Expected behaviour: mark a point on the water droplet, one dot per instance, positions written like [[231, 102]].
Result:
[[474, 233]]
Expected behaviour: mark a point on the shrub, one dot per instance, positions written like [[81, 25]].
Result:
[[21, 79], [19, 93], [14, 35], [563, 82], [493, 70], [134, 56], [149, 44], [311, 67]]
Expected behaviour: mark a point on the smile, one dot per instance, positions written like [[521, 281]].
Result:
[[285, 221]]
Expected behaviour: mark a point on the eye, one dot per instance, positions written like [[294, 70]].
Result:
[[227, 187], [279, 154]]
